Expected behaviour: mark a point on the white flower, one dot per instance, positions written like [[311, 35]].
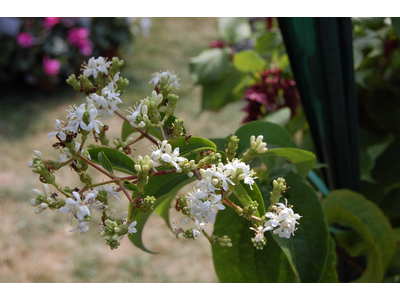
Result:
[[285, 218], [135, 112], [173, 158], [96, 65], [198, 227], [76, 208], [75, 117], [156, 152], [93, 123], [157, 77], [179, 229], [59, 127], [131, 227], [259, 233], [102, 65], [173, 79], [82, 228], [90, 68], [38, 193]]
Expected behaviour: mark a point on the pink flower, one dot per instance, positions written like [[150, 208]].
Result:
[[49, 22], [79, 37], [25, 39], [51, 67]]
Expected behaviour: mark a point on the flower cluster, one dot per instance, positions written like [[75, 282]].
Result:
[[218, 175]]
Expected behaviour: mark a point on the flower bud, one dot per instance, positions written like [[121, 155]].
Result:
[[168, 149], [144, 110], [38, 154], [138, 168], [260, 138], [252, 139]]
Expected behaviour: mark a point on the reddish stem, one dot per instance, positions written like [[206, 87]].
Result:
[[97, 167]]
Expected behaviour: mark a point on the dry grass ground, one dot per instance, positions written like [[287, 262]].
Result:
[[40, 248]]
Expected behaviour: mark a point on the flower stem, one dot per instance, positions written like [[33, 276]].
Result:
[[125, 192], [97, 167], [162, 133]]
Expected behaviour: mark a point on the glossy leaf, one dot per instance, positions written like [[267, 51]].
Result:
[[222, 92], [163, 188], [249, 61], [274, 135], [302, 159], [130, 186], [242, 262], [210, 65], [307, 251], [330, 274], [233, 30], [246, 194], [118, 160], [377, 238], [104, 161], [191, 147]]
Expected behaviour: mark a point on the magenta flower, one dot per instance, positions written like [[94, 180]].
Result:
[[49, 22], [79, 37], [25, 39], [51, 67]]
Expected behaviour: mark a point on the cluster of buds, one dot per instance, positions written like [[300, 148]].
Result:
[[257, 147]]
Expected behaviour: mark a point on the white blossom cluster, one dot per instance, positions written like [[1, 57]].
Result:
[[166, 77], [283, 218], [205, 200], [163, 155], [78, 208], [96, 65]]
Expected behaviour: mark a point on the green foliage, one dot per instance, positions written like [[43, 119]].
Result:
[[164, 189], [209, 66], [249, 61], [217, 94], [105, 162], [189, 148], [274, 135], [242, 262], [302, 159], [245, 194], [374, 233], [233, 30], [118, 160]]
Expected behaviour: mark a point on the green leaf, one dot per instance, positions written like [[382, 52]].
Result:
[[307, 251], [242, 262], [274, 135], [330, 273], [191, 147], [249, 61], [209, 66], [104, 161], [302, 159], [246, 194], [130, 186], [118, 160], [233, 30], [352, 209], [163, 188], [280, 116], [220, 93], [268, 42]]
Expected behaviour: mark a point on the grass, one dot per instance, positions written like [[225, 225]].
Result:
[[40, 248]]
